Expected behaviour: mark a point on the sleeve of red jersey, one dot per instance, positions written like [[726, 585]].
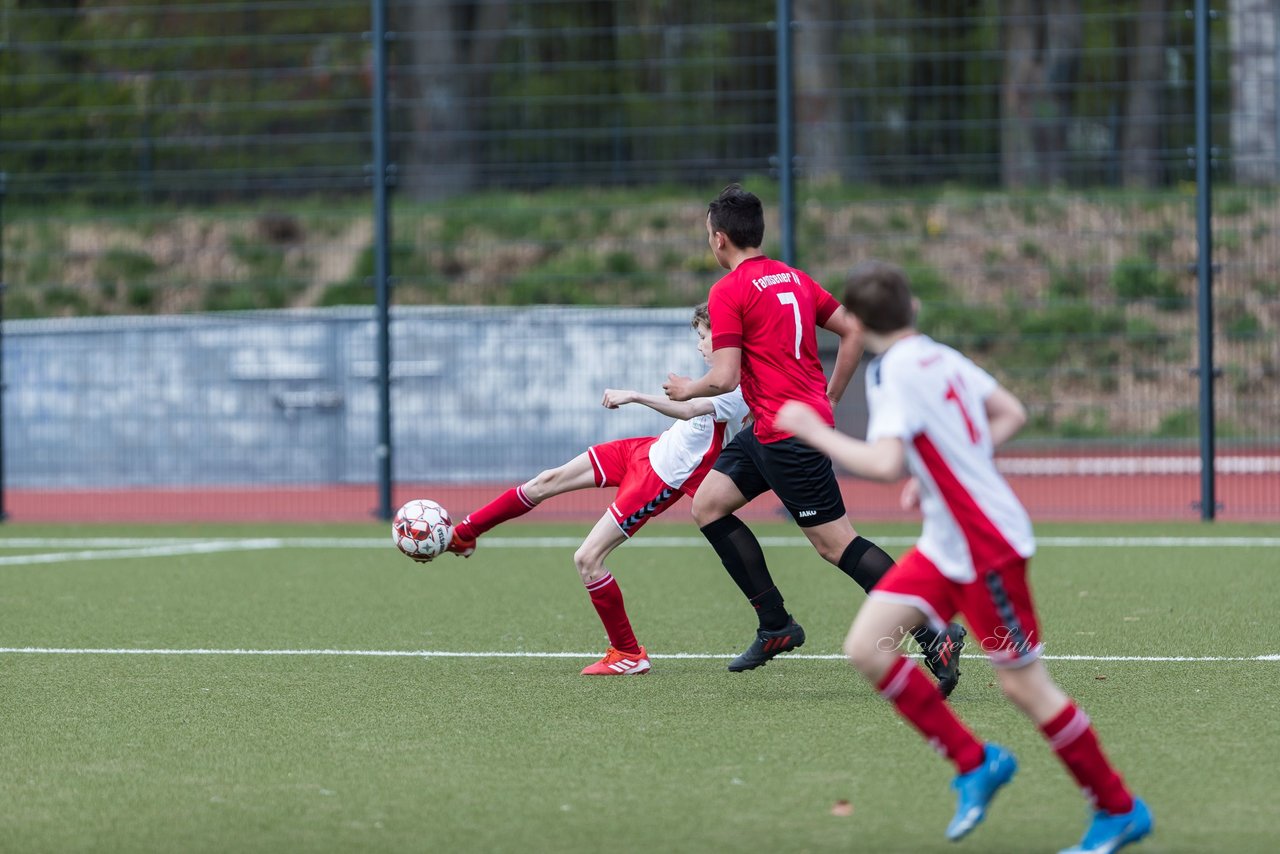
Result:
[[726, 318], [824, 303]]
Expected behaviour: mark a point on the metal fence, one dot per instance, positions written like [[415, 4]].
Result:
[[289, 398], [1032, 164]]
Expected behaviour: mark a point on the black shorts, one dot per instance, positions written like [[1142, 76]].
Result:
[[801, 477]]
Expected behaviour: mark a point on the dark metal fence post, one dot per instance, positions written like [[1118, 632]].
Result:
[[4, 187], [1204, 259], [382, 255], [786, 135]]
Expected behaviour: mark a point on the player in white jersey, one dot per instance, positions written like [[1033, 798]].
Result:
[[650, 472], [938, 417]]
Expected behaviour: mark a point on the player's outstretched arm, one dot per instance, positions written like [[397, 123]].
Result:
[[682, 409], [885, 460], [722, 377], [1005, 414], [844, 324]]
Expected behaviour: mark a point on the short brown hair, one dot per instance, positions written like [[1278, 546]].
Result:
[[701, 316], [879, 295], [739, 215]]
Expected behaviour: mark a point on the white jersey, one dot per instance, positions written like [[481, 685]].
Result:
[[691, 447], [934, 400]]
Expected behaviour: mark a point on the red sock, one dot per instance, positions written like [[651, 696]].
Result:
[[606, 595], [1072, 737], [919, 701], [504, 508]]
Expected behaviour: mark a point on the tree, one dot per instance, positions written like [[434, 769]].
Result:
[[1043, 39], [451, 46], [1140, 135], [822, 131]]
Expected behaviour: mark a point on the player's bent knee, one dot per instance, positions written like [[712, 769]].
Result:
[[589, 562], [541, 485], [703, 514]]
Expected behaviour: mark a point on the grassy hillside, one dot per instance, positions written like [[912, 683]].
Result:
[[1082, 299]]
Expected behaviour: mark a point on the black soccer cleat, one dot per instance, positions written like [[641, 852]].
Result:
[[768, 644], [942, 657]]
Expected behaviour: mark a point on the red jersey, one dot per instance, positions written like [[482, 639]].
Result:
[[771, 312]]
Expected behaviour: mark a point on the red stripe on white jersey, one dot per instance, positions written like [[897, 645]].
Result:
[[987, 546]]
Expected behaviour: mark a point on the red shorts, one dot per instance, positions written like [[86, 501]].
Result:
[[997, 605], [624, 463]]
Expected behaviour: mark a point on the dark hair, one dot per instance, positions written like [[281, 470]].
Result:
[[739, 215], [701, 316], [879, 295]]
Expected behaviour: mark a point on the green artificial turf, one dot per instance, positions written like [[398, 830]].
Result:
[[109, 748]]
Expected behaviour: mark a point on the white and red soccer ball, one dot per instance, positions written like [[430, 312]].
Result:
[[422, 529]]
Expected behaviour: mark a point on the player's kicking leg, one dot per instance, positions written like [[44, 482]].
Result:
[[519, 500], [873, 647], [625, 656], [1120, 818]]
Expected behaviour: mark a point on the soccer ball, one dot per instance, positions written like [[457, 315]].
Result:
[[422, 529]]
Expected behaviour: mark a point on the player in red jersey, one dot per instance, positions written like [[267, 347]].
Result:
[[765, 317], [651, 473], [937, 416]]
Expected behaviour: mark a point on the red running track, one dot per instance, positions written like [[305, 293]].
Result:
[[1049, 497]]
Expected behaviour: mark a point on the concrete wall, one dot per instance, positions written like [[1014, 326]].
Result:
[[277, 398]]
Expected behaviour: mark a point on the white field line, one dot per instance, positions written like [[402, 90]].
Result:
[[424, 653], [94, 542], [112, 548], [163, 550], [796, 542]]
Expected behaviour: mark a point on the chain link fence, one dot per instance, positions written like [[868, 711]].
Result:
[[189, 186]]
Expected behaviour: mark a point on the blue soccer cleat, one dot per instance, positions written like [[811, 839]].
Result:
[[1108, 833], [975, 790]]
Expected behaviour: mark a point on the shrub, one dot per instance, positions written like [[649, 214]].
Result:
[[1030, 250], [123, 267], [1239, 324], [926, 282], [1069, 284], [1179, 424], [1088, 423], [1137, 278]]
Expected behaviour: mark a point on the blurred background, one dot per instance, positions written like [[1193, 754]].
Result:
[[191, 228]]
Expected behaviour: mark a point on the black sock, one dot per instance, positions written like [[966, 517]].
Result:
[[740, 552], [770, 610], [865, 562]]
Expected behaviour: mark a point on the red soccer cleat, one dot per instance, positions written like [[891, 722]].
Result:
[[461, 545], [617, 663]]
